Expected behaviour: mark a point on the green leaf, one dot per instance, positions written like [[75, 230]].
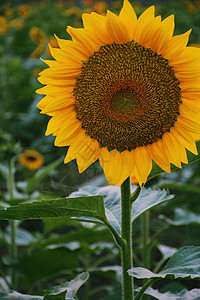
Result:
[[46, 264], [183, 217], [82, 235], [166, 251], [192, 158], [112, 200], [4, 170], [23, 237], [149, 198], [33, 182], [185, 263], [184, 294], [67, 290], [69, 207], [18, 296]]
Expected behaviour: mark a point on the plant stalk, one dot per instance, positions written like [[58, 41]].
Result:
[[126, 249], [13, 224], [145, 238]]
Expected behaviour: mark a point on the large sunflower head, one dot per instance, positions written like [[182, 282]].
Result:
[[124, 91]]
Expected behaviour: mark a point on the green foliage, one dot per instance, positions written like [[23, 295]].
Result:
[[185, 263], [63, 291], [71, 207]]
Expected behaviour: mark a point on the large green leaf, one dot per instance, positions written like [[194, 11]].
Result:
[[183, 217], [180, 295], [63, 291], [46, 264], [18, 296], [185, 263], [147, 199], [191, 159], [33, 182], [69, 207], [4, 170], [82, 235], [67, 290]]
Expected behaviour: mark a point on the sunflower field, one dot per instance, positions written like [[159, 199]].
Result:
[[100, 150]]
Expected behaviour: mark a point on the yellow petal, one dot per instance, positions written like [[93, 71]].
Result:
[[58, 104], [184, 138], [146, 17], [129, 18], [116, 28], [142, 161], [58, 81], [88, 156], [97, 25], [189, 114], [176, 45], [172, 149], [159, 156], [52, 90], [70, 47], [149, 32], [61, 72], [112, 165], [76, 146], [164, 34], [85, 38], [64, 57], [58, 120], [66, 133], [190, 125], [127, 166]]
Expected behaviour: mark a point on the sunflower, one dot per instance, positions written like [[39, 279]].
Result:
[[124, 91], [31, 159]]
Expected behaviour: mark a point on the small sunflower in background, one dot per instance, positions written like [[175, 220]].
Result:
[[31, 159], [124, 91]]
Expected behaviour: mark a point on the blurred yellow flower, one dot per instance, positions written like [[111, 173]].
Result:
[[53, 43], [16, 23], [99, 7], [3, 25], [31, 159], [36, 53], [8, 12], [73, 11], [88, 2], [37, 35], [24, 11]]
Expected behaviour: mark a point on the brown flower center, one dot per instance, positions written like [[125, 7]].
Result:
[[31, 158], [126, 96]]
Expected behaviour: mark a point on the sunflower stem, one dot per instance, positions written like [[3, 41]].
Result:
[[145, 238], [13, 223], [146, 252], [126, 248]]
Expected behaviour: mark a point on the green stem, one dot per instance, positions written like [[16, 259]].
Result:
[[143, 289], [13, 224], [126, 249], [135, 194], [145, 238], [119, 241]]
